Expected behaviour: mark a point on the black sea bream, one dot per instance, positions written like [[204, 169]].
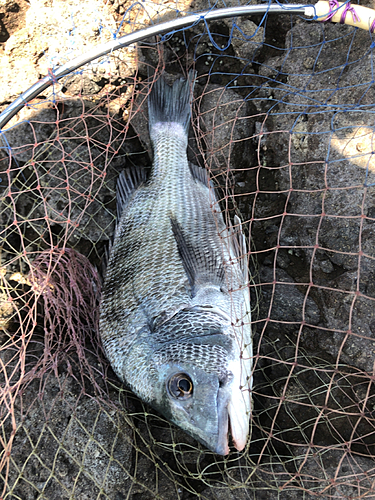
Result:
[[175, 310]]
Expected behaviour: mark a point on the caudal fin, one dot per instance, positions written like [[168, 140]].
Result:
[[167, 104]]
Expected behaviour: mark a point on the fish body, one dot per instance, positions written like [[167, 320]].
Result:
[[175, 309]]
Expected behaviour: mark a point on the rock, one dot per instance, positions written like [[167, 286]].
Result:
[[74, 168], [12, 17], [333, 473], [286, 302], [224, 127], [219, 492], [51, 36], [247, 38], [312, 473], [7, 311], [87, 445], [326, 170], [33, 125], [22, 74]]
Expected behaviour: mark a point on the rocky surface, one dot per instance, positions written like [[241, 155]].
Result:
[[89, 443], [327, 174], [290, 145], [41, 35]]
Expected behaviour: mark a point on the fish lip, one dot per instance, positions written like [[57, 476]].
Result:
[[222, 447], [217, 441], [239, 407]]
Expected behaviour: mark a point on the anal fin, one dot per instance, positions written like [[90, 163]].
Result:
[[201, 174], [129, 180]]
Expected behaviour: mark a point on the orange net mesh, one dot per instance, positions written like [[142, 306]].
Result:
[[283, 121]]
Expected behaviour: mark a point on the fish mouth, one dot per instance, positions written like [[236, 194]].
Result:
[[232, 410], [222, 447], [239, 427], [212, 426], [239, 408]]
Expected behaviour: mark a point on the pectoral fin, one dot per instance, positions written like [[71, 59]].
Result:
[[201, 263]]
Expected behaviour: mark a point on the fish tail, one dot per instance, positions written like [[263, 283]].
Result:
[[171, 104]]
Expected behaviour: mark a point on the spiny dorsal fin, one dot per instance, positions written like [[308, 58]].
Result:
[[201, 267], [129, 180], [239, 248]]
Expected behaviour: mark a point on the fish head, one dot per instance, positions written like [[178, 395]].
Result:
[[199, 390]]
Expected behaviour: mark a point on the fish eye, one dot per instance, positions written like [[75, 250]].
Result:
[[180, 386]]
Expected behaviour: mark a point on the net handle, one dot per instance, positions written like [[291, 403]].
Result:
[[345, 13]]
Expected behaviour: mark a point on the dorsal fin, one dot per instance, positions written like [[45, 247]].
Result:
[[202, 176], [239, 247]]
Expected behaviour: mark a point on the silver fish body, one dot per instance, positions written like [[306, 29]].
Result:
[[175, 309]]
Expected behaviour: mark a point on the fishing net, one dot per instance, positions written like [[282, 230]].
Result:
[[283, 120]]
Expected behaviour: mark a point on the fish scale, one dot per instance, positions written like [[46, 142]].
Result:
[[175, 310]]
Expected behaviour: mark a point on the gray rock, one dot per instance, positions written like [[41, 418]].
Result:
[[82, 448], [34, 125], [330, 473], [325, 171], [285, 302], [224, 128], [247, 38], [311, 473], [70, 176]]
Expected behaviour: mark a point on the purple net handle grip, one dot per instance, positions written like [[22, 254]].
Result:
[[345, 13]]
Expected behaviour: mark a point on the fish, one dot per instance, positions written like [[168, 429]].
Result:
[[175, 309]]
